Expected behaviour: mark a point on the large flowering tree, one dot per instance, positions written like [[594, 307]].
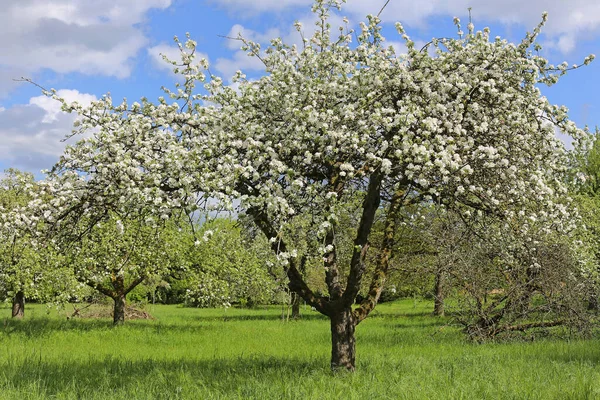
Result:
[[333, 123], [466, 127]]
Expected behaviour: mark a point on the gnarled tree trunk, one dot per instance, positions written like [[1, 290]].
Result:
[[18, 305], [338, 304], [296, 306], [119, 309], [593, 303], [343, 340], [118, 293]]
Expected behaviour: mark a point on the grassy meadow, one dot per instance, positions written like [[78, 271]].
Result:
[[402, 353]]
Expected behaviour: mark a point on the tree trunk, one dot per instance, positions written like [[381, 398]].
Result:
[[296, 306], [438, 302], [343, 341], [18, 305], [593, 304], [119, 310]]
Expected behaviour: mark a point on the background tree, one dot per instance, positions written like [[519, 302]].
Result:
[[118, 254], [29, 267], [511, 282], [584, 182], [226, 268]]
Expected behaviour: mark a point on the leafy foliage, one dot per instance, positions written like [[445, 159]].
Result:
[[226, 268]]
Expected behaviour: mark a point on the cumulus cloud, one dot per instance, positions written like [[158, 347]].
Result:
[[239, 30], [7, 80], [89, 37], [52, 107], [31, 134], [172, 52], [568, 20], [260, 6], [241, 61]]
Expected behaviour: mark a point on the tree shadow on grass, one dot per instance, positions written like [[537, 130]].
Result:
[[42, 326], [588, 355], [408, 314], [257, 317], [224, 377]]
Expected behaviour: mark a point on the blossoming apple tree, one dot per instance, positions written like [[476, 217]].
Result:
[[30, 267], [119, 253], [333, 121], [467, 128]]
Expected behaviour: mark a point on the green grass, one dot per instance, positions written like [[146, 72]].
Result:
[[403, 353]]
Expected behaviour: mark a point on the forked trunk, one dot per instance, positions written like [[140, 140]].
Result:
[[343, 341], [18, 305], [438, 302], [296, 306], [119, 310]]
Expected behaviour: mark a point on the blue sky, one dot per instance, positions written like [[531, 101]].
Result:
[[86, 48]]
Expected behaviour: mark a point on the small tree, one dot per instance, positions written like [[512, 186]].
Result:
[[512, 282], [118, 254], [29, 268]]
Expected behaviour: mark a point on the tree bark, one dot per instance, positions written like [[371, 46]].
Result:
[[296, 306], [438, 302], [18, 305], [593, 303], [119, 309], [343, 341]]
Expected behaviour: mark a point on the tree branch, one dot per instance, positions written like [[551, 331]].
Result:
[[357, 263], [380, 274]]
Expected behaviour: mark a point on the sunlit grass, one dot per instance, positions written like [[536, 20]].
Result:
[[403, 353]]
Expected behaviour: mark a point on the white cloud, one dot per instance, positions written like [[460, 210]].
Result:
[[249, 34], [53, 107], [31, 134], [7, 79], [90, 37], [568, 20], [227, 67], [241, 61], [170, 51], [566, 43], [566, 139], [260, 6]]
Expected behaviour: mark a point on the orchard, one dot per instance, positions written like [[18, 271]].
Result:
[[346, 170]]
